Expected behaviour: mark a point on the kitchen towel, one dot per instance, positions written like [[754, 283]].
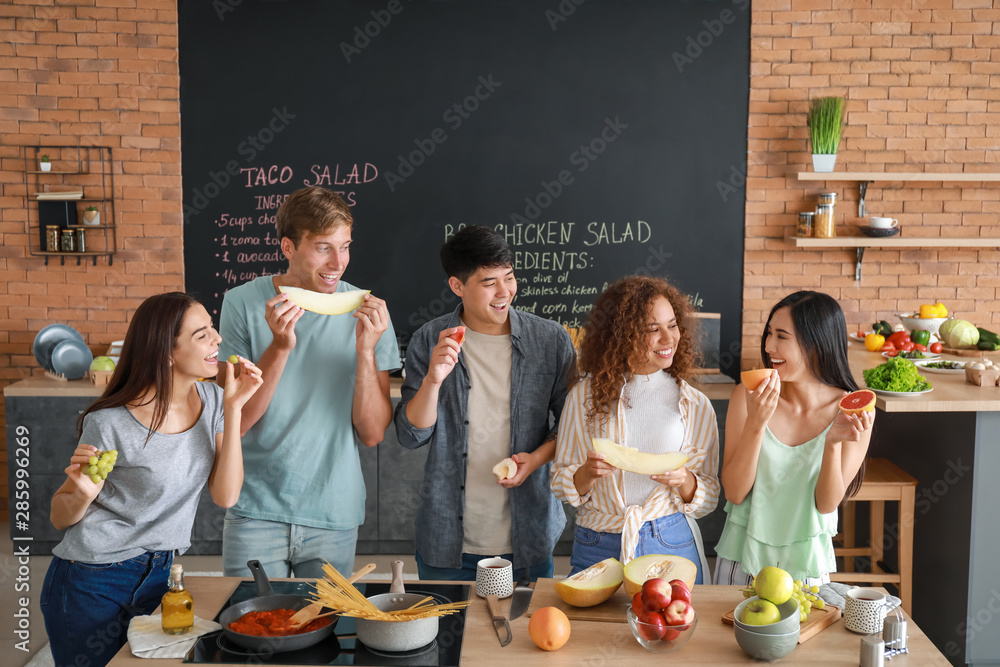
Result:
[[148, 640], [834, 592]]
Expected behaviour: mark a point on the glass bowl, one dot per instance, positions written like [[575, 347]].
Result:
[[680, 634]]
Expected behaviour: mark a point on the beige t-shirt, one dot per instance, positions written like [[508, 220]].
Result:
[[486, 516]]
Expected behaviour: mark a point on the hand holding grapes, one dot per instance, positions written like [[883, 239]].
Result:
[[83, 484]]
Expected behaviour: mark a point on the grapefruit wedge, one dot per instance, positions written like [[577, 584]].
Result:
[[752, 379], [862, 400], [337, 303]]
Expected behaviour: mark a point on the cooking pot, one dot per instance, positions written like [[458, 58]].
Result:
[[396, 635], [267, 600]]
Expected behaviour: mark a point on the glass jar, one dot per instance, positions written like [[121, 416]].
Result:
[[67, 242], [52, 238], [828, 198], [81, 241], [805, 228], [823, 224]]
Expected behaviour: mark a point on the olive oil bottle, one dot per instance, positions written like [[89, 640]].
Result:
[[177, 604]]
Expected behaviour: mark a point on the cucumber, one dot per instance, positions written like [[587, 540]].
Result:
[[988, 337], [988, 345]]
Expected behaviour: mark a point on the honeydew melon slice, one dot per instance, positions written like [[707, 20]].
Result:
[[592, 586], [664, 566], [337, 303], [631, 459]]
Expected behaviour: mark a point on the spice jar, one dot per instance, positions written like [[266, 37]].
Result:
[[66, 242], [52, 238], [81, 242], [805, 228], [823, 225]]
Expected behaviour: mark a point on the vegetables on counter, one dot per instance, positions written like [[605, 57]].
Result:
[[895, 375]]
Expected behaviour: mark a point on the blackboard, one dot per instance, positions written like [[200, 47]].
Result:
[[602, 138]]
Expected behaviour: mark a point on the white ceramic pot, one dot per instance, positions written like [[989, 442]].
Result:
[[91, 217], [45, 166], [824, 163]]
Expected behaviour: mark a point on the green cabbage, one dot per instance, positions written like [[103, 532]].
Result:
[[895, 375], [961, 335]]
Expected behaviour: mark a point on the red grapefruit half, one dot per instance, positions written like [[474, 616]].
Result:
[[862, 400], [752, 379]]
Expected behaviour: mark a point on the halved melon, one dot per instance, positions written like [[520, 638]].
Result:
[[506, 469], [752, 379], [862, 400], [337, 303], [592, 586], [664, 566], [631, 459]]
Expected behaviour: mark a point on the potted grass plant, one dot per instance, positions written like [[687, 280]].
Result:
[[44, 163], [826, 120]]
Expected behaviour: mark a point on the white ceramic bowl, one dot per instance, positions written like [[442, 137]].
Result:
[[931, 324]]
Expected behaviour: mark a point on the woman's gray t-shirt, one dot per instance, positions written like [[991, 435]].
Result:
[[149, 500]]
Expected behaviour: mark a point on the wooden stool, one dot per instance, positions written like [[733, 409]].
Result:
[[883, 481]]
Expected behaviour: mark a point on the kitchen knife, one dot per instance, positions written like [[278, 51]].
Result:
[[500, 623], [521, 598]]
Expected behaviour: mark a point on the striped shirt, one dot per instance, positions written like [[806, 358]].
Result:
[[603, 508]]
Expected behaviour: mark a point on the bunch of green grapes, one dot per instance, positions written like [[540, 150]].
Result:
[[808, 599], [100, 464]]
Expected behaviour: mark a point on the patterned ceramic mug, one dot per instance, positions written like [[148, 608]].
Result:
[[865, 610], [494, 576]]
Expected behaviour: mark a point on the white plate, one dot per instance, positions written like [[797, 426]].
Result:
[[928, 356], [884, 392], [922, 365], [855, 336]]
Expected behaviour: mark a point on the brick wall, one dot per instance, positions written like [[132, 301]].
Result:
[[97, 73], [922, 83]]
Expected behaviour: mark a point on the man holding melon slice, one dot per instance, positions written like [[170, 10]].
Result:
[[326, 387], [484, 383]]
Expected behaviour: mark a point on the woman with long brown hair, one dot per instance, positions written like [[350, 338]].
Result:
[[173, 434], [637, 354]]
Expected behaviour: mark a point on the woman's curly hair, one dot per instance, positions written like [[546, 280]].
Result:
[[615, 341]]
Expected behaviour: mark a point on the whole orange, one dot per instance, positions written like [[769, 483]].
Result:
[[549, 628]]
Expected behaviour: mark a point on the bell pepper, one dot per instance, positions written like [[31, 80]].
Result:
[[941, 310], [921, 336], [874, 342], [928, 311], [898, 338]]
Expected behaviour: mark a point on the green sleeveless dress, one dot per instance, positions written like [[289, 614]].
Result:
[[778, 523]]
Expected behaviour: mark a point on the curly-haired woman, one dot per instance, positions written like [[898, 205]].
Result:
[[637, 353]]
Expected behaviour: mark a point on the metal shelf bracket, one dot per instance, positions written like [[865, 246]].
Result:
[[857, 263], [862, 191]]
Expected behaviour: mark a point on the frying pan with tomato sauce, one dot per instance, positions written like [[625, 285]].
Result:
[[267, 600]]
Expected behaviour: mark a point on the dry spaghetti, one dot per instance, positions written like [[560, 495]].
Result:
[[335, 592]]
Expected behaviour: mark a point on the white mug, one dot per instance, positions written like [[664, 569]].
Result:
[[494, 576], [865, 610], [883, 223]]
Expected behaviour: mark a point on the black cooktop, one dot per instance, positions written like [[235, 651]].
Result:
[[443, 651]]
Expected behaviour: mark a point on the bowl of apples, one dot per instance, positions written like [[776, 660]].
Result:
[[661, 617]]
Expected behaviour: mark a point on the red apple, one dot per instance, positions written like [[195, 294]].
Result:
[[652, 626], [678, 612], [637, 607], [656, 594], [458, 336], [680, 591], [672, 633]]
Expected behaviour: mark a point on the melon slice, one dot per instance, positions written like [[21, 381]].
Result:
[[592, 586], [752, 379], [506, 469], [631, 459], [337, 303], [663, 566], [862, 400]]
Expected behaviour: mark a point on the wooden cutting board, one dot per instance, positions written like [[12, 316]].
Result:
[[612, 611], [970, 353], [818, 619]]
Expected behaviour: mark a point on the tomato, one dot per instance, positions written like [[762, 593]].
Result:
[[898, 338], [861, 334], [888, 347], [936, 348], [918, 346], [892, 353], [907, 346], [874, 342]]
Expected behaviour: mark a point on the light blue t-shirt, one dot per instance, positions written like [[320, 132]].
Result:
[[300, 461]]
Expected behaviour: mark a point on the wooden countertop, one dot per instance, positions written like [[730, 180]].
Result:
[[713, 642], [951, 392]]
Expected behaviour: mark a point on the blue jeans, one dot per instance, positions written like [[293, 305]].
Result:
[[283, 548], [87, 607], [669, 534], [468, 570]]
